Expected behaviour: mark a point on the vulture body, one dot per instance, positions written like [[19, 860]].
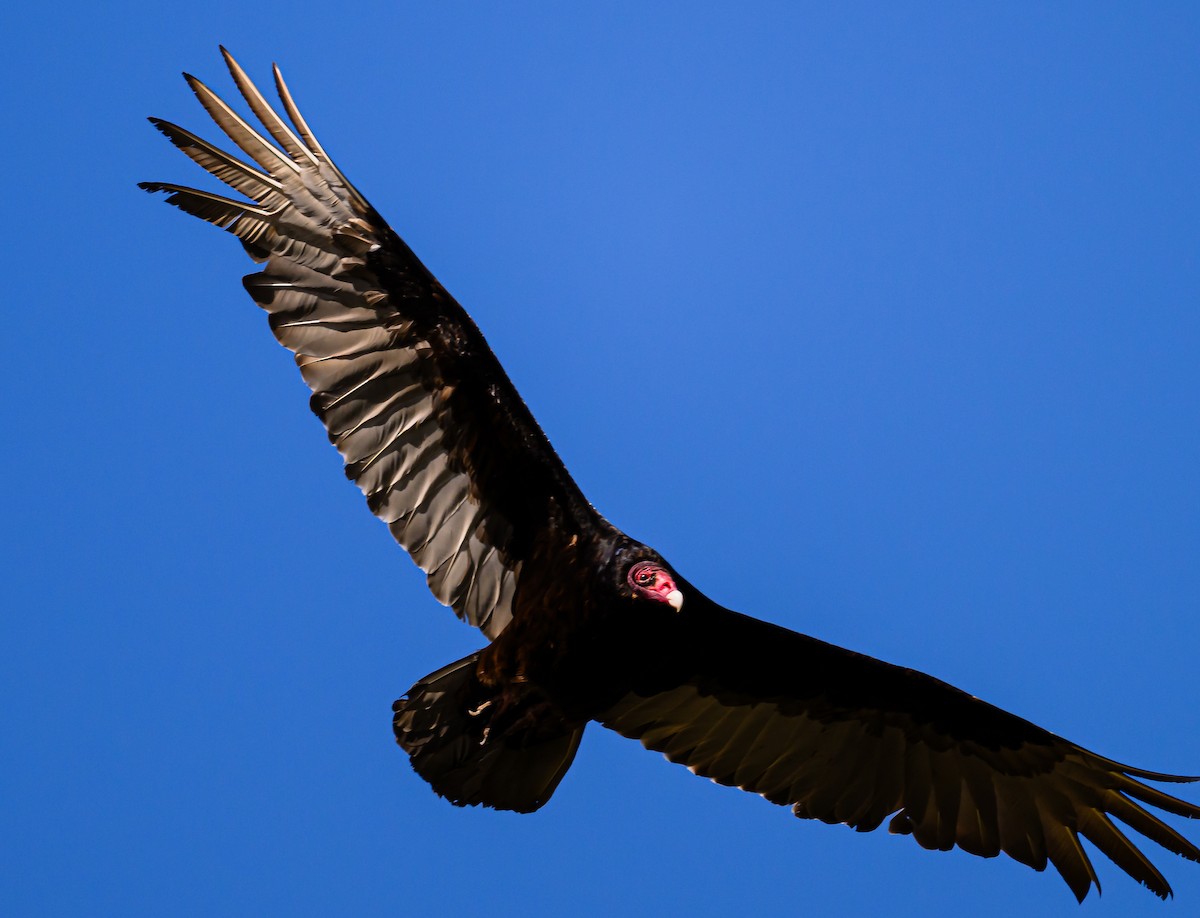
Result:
[[586, 624]]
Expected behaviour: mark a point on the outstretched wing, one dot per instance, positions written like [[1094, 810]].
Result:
[[430, 427], [845, 738]]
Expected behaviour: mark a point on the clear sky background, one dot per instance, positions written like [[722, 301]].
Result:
[[882, 323]]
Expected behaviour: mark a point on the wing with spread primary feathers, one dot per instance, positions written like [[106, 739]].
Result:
[[845, 738], [429, 425]]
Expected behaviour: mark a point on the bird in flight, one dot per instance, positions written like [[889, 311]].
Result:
[[585, 623]]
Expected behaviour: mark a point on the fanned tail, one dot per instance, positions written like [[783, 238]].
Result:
[[449, 730]]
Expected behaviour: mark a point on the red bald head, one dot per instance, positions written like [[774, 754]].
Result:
[[650, 580]]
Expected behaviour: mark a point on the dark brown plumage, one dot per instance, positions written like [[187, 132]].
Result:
[[585, 623]]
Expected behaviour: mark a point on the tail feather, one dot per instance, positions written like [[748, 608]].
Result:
[[447, 731]]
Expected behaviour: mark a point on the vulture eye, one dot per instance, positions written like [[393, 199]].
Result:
[[650, 581]]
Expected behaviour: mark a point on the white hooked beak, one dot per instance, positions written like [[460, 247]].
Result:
[[675, 600]]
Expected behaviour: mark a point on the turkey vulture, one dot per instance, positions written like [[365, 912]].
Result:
[[585, 623]]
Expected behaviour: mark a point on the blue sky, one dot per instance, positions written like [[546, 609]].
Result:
[[911, 293]]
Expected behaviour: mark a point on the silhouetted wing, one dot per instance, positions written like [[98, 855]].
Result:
[[845, 738], [428, 423]]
